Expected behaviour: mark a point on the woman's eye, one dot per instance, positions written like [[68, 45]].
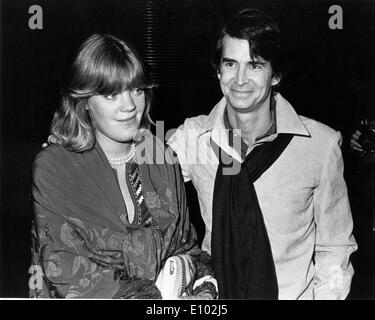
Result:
[[110, 97], [138, 91]]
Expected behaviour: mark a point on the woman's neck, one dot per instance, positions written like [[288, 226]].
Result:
[[113, 149]]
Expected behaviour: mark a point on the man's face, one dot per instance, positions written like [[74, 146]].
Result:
[[245, 82]]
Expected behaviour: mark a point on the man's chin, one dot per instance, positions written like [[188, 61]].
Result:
[[244, 110], [242, 107]]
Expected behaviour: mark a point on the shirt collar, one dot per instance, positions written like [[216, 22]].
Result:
[[287, 120], [270, 131], [215, 118]]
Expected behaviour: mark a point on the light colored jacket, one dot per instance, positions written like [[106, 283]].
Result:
[[303, 197]]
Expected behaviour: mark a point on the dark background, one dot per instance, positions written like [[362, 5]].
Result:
[[330, 78]]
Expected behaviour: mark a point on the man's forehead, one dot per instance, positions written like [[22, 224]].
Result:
[[234, 48]]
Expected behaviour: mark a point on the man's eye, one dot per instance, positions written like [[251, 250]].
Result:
[[228, 64], [254, 66]]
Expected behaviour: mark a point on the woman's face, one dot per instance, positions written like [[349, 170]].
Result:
[[116, 118]]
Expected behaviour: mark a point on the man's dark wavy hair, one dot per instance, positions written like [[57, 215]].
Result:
[[262, 33]]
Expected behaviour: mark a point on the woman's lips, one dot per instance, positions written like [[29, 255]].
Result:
[[127, 120]]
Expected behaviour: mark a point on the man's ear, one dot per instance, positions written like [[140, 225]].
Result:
[[218, 74], [275, 80]]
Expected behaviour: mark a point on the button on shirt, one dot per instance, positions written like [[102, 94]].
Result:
[[303, 197]]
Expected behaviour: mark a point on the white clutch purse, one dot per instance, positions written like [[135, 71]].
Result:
[[176, 277]]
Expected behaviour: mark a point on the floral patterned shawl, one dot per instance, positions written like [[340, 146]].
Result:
[[82, 240]]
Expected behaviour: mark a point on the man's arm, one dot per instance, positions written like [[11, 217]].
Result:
[[178, 143], [205, 284], [334, 226]]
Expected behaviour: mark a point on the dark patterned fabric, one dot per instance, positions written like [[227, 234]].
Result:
[[83, 243], [133, 288], [134, 180]]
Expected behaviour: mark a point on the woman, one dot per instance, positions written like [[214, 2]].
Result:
[[104, 224]]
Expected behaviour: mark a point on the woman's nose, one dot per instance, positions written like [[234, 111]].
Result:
[[126, 102]]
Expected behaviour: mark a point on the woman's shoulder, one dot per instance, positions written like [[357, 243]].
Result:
[[54, 160], [53, 152], [46, 163]]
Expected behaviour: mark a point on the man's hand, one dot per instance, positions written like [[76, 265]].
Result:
[[354, 144], [51, 139]]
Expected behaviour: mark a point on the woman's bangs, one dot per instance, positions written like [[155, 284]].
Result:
[[114, 78]]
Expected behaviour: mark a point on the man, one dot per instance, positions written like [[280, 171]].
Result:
[[269, 182]]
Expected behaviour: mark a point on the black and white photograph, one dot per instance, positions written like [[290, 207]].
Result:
[[206, 150]]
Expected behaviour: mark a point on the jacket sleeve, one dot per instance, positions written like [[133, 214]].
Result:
[[334, 225], [179, 144], [64, 263], [62, 266]]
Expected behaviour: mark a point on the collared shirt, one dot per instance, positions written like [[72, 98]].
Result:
[[303, 197], [243, 145]]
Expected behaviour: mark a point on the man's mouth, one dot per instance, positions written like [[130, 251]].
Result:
[[241, 92]]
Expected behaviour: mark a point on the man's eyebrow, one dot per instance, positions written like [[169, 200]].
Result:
[[229, 60], [253, 61]]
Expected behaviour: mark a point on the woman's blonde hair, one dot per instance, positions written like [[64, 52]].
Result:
[[104, 65]]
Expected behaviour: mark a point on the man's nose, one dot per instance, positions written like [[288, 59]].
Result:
[[126, 102], [241, 76]]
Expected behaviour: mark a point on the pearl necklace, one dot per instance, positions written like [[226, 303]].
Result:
[[120, 161]]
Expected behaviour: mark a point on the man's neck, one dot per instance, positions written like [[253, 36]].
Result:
[[252, 124]]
